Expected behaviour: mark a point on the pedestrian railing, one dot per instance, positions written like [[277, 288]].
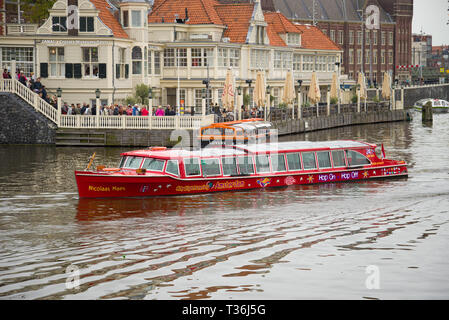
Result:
[[102, 121]]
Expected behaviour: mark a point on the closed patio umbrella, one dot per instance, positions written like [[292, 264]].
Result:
[[386, 86], [289, 92], [259, 89], [334, 92], [228, 91], [314, 91], [362, 86]]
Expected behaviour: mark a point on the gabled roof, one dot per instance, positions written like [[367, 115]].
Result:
[[199, 11], [237, 18], [278, 24], [108, 18], [313, 38]]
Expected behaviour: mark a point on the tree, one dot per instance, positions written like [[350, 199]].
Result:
[[142, 91], [36, 11]]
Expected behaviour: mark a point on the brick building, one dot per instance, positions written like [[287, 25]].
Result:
[[342, 21]]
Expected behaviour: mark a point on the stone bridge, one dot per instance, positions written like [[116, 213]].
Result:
[[414, 93]]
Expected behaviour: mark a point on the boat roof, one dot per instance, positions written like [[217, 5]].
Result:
[[243, 149]]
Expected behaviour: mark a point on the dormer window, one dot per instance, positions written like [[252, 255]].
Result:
[[125, 19], [293, 39], [87, 24], [260, 35], [59, 24]]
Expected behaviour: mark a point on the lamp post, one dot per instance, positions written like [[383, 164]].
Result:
[[358, 97], [299, 100], [239, 92], [249, 81], [206, 95], [338, 85], [203, 102], [59, 95], [13, 64], [268, 102], [97, 113], [150, 99]]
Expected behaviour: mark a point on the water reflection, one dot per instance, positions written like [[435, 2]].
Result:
[[288, 243]]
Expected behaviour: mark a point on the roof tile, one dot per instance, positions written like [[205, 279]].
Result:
[[108, 19]]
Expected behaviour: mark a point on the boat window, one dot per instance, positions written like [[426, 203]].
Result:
[[246, 165], [239, 132], [212, 132], [153, 164], [172, 167], [262, 164], [229, 132], [278, 162], [356, 159], [324, 160], [122, 162], [338, 157], [192, 167], [308, 159], [211, 167], [293, 162], [229, 166], [133, 162]]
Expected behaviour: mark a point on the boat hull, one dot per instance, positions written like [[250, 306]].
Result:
[[435, 109], [106, 185]]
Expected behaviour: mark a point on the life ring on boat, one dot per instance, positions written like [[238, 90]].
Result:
[[158, 148]]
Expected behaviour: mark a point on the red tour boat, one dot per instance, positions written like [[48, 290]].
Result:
[[161, 171]]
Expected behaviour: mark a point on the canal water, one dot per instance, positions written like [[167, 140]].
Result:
[[373, 240]]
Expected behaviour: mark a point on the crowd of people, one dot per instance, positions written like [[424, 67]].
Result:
[[117, 109]]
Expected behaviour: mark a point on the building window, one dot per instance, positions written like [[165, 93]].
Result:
[[169, 57], [367, 37], [24, 59], [321, 63], [340, 36], [157, 62], [120, 71], [375, 37], [182, 57], [331, 63], [56, 59], [201, 57], [222, 57], [259, 59], [384, 38], [351, 56], [276, 97], [367, 56], [293, 39], [297, 62], [278, 59], [359, 37], [351, 37], [308, 62], [382, 56], [90, 62], [136, 18], [390, 38], [359, 56], [126, 19], [145, 60], [136, 56], [375, 57], [87, 24], [199, 98], [332, 35], [390, 57], [149, 62], [234, 57], [59, 24]]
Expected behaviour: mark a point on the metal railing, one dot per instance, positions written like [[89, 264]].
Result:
[[102, 121]]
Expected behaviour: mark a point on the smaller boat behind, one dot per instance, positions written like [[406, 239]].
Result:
[[438, 105]]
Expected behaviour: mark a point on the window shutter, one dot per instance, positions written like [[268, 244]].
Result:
[[117, 71], [44, 70], [77, 71], [126, 71], [102, 70], [69, 70]]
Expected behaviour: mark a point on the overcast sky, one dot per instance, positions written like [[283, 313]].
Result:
[[432, 17]]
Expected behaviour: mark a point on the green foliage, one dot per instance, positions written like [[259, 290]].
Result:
[[246, 99], [36, 11], [141, 93], [130, 100], [334, 100], [376, 99], [354, 99], [282, 105], [306, 105]]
